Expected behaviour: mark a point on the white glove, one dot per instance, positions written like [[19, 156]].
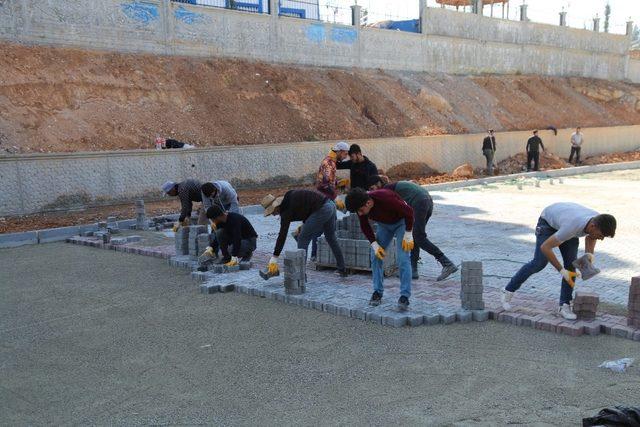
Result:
[[272, 267], [378, 251], [570, 276], [407, 241]]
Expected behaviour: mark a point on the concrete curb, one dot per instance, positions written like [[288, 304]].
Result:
[[579, 170]]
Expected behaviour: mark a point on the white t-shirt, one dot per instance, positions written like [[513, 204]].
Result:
[[576, 139], [569, 219]]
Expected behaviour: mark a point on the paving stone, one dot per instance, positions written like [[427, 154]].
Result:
[[344, 311], [432, 319], [246, 265], [375, 317], [636, 335], [592, 329], [480, 315], [415, 319], [209, 288], [448, 318], [394, 320], [570, 328], [464, 316], [623, 331], [227, 287]]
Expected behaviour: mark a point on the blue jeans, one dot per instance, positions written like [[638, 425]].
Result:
[[568, 250], [385, 234], [322, 221]]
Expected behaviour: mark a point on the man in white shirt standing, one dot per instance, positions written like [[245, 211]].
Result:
[[576, 145], [561, 225]]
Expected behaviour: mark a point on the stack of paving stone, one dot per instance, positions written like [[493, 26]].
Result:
[[471, 288], [112, 225], [355, 247], [182, 241], [193, 239], [103, 232], [633, 314], [294, 271], [585, 305], [141, 217]]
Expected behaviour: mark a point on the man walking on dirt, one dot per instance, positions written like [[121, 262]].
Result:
[[533, 151], [489, 150], [360, 167], [576, 145]]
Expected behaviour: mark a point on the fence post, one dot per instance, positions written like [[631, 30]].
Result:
[[563, 19], [629, 31], [478, 5], [423, 14], [523, 12], [356, 15], [596, 24], [274, 6]]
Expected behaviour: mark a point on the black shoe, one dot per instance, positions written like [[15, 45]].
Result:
[[403, 303], [202, 269], [246, 258], [447, 270], [376, 299], [342, 273]]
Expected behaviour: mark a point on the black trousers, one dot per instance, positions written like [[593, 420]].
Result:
[[576, 151], [535, 156], [422, 210]]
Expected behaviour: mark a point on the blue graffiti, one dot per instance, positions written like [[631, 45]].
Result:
[[188, 17], [316, 33], [141, 11], [344, 35]]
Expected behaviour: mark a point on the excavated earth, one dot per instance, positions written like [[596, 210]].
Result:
[[62, 100]]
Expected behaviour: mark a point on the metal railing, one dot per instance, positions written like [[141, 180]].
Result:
[[255, 6]]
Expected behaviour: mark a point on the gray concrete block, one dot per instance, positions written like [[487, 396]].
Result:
[[246, 265], [374, 316], [480, 315], [344, 311], [11, 240], [448, 318], [57, 234], [209, 288], [230, 269], [118, 240], [394, 320], [431, 319], [227, 287], [464, 316], [415, 319]]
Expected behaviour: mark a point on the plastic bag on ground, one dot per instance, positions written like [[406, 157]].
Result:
[[619, 365], [617, 416]]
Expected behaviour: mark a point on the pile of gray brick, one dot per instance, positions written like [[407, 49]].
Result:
[[112, 225], [355, 247], [193, 239], [585, 305], [294, 271], [471, 287], [141, 216], [182, 241], [633, 313]]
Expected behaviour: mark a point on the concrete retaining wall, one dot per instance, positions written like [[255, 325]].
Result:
[[633, 70], [42, 182], [453, 42]]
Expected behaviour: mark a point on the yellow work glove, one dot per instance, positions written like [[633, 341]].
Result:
[[208, 252], [344, 183], [569, 276], [378, 250], [175, 227], [340, 204], [407, 241], [186, 222], [234, 261], [272, 267]]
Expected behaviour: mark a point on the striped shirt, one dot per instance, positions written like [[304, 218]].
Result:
[[188, 192]]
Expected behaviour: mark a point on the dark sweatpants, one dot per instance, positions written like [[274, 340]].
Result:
[[422, 210], [535, 156]]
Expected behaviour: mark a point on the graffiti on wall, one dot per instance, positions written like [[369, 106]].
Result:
[[140, 11], [188, 17], [317, 33]]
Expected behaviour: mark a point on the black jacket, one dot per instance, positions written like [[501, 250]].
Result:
[[534, 143], [236, 228], [297, 205], [360, 172], [487, 143]]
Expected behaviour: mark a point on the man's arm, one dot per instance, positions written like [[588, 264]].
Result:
[[206, 202], [365, 226], [528, 144], [590, 244], [344, 165], [493, 140], [186, 207], [236, 236], [282, 235], [541, 144], [372, 169], [547, 250]]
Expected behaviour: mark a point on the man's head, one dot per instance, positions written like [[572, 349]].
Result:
[[355, 154], [578, 129], [208, 189], [358, 201], [601, 226], [535, 132], [170, 188], [341, 149], [490, 132], [375, 182], [216, 214]]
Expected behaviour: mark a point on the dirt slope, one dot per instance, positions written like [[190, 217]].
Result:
[[55, 99]]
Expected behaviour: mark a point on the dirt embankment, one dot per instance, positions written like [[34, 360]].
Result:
[[54, 99]]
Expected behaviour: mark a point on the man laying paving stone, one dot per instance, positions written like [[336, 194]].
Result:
[[318, 214], [395, 219], [360, 167], [188, 192], [561, 225], [420, 201], [234, 230]]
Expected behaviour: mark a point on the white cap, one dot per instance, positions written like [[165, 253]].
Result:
[[167, 186], [341, 146]]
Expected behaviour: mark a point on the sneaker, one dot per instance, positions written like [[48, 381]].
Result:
[[376, 299], [505, 299], [566, 312], [447, 271], [403, 303]]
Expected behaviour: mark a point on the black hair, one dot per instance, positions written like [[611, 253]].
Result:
[[606, 224], [214, 212], [355, 149], [356, 198], [208, 189], [374, 179]]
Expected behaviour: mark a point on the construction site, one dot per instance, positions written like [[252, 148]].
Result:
[[279, 212]]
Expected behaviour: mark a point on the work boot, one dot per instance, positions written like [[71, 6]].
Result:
[[566, 312], [376, 299], [505, 299], [448, 268], [403, 303]]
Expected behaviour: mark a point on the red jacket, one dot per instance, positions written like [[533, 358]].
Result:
[[388, 208]]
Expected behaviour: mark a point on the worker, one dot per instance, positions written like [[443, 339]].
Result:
[[489, 150], [188, 191], [326, 177], [576, 145], [220, 193], [318, 214], [421, 202], [234, 230], [560, 226], [395, 219], [533, 151], [360, 168]]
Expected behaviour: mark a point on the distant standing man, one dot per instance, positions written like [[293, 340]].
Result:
[[360, 167], [560, 226], [576, 145], [533, 151], [188, 191], [489, 150]]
